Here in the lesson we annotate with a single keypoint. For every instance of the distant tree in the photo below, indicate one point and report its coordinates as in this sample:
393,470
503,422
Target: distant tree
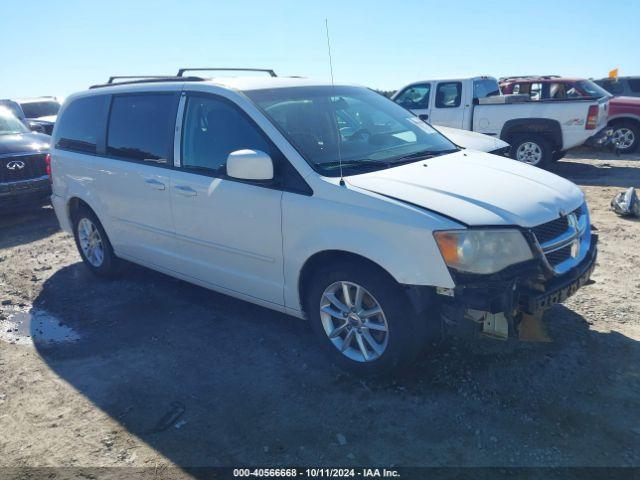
386,93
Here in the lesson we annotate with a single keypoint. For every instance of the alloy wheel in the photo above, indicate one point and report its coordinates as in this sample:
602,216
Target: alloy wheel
354,321
90,242
529,152
623,138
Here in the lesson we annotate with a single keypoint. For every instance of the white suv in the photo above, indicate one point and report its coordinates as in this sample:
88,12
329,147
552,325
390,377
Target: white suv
330,203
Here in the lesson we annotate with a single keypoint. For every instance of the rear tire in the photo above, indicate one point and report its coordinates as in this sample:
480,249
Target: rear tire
360,342
532,149
94,245
626,136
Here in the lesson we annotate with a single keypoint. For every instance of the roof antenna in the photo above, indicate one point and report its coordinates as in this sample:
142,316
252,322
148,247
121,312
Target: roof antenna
326,26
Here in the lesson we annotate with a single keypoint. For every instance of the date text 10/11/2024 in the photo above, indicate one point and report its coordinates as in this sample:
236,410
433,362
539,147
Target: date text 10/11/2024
316,473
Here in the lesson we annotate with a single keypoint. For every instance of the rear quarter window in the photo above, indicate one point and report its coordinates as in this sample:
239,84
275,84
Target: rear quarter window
141,127
81,124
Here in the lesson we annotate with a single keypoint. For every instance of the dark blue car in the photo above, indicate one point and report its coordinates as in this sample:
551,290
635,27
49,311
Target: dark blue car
24,168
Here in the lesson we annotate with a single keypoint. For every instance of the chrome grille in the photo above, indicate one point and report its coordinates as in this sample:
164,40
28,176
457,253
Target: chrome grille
565,240
558,256
553,229
550,230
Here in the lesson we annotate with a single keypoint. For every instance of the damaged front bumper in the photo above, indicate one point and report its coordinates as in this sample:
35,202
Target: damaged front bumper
494,305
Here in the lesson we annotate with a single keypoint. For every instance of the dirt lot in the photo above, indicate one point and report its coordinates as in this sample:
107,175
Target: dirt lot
151,371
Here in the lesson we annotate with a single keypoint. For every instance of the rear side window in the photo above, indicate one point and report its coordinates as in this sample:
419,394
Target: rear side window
81,124
558,91
213,129
448,95
141,127
485,88
534,90
415,96
634,84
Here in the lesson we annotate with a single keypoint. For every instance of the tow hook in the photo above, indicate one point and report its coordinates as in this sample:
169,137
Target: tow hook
495,325
532,329
492,325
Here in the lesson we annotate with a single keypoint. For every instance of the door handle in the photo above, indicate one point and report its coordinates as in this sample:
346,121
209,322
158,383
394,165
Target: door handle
185,190
424,117
153,183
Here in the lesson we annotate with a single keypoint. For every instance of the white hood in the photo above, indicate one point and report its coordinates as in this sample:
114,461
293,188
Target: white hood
472,140
477,189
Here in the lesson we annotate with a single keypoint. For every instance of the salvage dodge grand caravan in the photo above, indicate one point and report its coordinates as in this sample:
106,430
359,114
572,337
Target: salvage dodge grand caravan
330,203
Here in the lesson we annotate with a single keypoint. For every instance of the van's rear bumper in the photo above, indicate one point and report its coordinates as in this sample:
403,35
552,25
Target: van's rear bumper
60,207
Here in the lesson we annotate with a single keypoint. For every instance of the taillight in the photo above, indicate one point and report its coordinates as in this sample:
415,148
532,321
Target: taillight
592,118
47,162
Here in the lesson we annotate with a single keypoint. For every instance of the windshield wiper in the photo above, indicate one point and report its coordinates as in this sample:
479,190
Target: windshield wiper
355,163
422,155
412,157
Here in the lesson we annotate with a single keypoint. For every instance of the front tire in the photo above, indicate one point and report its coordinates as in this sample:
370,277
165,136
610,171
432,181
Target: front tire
626,136
363,319
94,245
532,149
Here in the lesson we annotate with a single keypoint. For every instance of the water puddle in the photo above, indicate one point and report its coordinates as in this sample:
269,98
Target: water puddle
34,326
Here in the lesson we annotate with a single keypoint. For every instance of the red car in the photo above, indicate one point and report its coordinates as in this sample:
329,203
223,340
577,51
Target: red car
624,112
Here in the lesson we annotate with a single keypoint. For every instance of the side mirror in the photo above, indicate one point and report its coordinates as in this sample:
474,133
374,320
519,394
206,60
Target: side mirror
249,165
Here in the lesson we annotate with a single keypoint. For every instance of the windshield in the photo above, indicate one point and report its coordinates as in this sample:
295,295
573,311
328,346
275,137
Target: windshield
363,128
9,124
592,89
40,109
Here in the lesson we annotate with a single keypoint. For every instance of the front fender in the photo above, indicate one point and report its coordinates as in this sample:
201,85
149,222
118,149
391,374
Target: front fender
395,236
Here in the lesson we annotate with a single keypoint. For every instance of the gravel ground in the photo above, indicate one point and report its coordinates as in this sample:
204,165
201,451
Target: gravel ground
151,371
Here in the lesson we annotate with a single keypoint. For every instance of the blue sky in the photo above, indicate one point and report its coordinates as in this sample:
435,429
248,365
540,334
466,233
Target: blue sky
58,47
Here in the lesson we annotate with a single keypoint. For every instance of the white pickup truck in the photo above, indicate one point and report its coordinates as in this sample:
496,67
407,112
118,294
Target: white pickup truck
539,132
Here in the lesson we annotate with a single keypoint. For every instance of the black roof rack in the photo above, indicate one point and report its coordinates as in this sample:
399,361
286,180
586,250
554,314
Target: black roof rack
133,79
265,70
136,77
523,77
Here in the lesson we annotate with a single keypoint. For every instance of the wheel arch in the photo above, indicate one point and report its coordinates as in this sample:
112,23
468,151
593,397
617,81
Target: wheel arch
624,118
540,126
74,205
327,257
77,202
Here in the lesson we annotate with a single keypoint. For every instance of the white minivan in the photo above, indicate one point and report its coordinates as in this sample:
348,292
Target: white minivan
330,203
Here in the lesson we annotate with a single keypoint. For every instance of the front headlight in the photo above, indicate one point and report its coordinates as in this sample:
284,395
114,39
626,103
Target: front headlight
482,251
